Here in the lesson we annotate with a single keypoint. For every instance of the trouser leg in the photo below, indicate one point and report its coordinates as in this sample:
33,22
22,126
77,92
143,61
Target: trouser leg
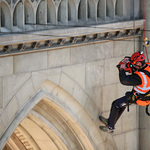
117,108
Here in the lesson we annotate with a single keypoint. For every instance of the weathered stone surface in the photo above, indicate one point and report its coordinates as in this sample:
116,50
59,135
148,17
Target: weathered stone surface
30,62
59,58
1,93
94,74
9,112
24,93
109,94
6,66
130,138
11,84
111,72
76,73
51,74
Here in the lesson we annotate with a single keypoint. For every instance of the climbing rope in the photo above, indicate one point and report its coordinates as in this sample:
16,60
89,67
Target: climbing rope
146,40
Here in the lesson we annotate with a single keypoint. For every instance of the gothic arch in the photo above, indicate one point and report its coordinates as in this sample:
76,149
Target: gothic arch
82,10
71,11
51,12
50,109
62,12
92,10
28,12
119,8
5,15
101,9
110,11
41,15
18,15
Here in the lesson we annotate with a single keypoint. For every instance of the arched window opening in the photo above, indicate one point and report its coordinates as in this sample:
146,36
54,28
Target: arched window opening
71,11
119,9
51,13
89,11
62,12
5,16
29,14
41,14
2,18
18,15
82,11
101,10
98,9
92,10
110,12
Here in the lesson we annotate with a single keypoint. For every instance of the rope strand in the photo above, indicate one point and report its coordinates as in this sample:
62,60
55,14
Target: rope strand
144,28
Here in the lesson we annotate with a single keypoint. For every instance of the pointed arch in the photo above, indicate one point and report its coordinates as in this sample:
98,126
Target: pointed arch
62,12
82,10
18,15
119,8
101,9
58,111
51,12
110,11
71,11
28,12
41,15
92,10
5,16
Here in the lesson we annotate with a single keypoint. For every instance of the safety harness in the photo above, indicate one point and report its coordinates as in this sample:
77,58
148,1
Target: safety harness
134,97
146,96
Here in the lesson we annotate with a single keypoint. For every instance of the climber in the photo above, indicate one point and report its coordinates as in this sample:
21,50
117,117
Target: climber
140,94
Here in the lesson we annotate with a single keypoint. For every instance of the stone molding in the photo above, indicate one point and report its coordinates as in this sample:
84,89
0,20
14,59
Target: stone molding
29,15
30,42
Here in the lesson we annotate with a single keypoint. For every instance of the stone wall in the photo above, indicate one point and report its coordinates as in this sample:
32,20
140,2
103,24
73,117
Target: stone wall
88,73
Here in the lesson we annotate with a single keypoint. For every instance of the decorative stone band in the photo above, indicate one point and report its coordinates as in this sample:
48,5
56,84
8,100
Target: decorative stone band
29,42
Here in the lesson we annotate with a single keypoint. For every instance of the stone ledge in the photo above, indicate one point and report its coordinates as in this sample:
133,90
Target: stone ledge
54,39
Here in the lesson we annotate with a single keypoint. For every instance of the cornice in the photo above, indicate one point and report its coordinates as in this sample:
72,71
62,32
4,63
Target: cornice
29,42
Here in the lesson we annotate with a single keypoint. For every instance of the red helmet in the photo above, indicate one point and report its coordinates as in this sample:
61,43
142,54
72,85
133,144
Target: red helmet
137,56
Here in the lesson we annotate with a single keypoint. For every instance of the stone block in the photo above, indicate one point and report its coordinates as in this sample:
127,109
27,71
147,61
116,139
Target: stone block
92,52
59,58
130,119
94,74
11,84
91,109
1,128
67,83
122,89
120,141
95,94
51,75
124,48
30,62
144,137
1,92
82,54
132,140
24,93
109,94
103,50
6,66
80,95
10,112
77,73
111,72
144,118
